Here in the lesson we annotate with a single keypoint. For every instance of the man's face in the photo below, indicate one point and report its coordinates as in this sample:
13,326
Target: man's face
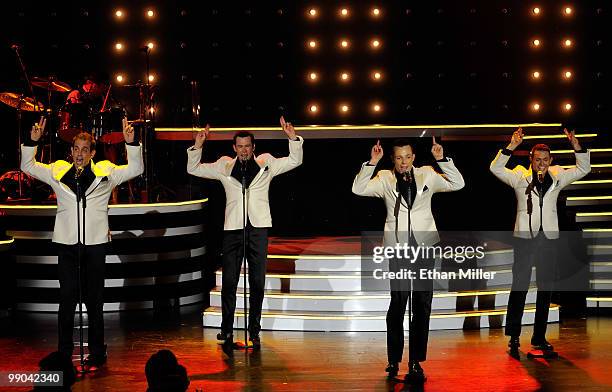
244,148
540,161
82,152
403,159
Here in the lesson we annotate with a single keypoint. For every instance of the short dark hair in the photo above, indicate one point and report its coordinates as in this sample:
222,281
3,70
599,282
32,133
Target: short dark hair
401,142
244,134
539,147
87,137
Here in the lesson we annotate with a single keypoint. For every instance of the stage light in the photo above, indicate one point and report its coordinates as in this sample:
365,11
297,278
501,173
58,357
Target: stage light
568,43
344,44
345,77
536,43
375,12
536,75
150,13
567,74
151,45
312,44
344,108
118,46
376,75
313,108
535,107
568,11
536,10
313,13
119,14
375,44
119,78
313,77
376,107
344,12
567,106
151,78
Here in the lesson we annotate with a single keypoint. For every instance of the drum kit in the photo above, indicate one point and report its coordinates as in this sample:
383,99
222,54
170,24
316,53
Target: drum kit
82,110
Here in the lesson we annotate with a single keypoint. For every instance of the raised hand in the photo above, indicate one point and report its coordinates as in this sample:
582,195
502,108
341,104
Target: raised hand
376,154
436,150
38,129
571,136
128,131
288,128
202,136
517,139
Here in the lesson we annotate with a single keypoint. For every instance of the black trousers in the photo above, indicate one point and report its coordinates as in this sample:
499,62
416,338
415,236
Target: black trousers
257,255
422,294
541,253
92,278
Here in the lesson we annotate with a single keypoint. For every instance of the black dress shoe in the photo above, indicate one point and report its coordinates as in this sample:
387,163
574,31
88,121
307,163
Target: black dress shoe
225,337
415,374
542,344
95,361
514,345
256,341
392,369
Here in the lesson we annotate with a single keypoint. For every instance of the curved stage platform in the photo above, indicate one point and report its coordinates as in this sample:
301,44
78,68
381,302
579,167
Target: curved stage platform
315,284
154,260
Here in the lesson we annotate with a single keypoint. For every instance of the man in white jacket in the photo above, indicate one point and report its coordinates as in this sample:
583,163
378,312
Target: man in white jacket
536,229
407,191
254,173
83,189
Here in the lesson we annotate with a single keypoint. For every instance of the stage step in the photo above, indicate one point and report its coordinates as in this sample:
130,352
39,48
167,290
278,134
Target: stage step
331,301
369,321
352,281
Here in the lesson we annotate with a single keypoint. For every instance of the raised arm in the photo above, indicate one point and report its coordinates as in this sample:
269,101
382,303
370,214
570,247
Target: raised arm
364,184
194,155
498,166
296,153
583,162
135,165
28,164
451,180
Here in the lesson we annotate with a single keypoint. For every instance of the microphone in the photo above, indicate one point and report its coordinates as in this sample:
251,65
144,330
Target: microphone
78,172
540,176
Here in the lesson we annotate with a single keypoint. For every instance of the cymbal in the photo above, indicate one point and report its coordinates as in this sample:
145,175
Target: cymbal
50,84
26,103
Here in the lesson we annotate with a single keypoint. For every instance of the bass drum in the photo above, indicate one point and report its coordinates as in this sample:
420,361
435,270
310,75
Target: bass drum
108,126
74,118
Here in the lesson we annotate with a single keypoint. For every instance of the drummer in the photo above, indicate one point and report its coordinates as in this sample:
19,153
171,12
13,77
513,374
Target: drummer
93,92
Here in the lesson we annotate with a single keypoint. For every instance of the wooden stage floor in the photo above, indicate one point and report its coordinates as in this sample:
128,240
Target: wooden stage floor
308,361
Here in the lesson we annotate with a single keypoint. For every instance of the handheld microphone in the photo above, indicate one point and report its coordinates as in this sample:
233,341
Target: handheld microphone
540,176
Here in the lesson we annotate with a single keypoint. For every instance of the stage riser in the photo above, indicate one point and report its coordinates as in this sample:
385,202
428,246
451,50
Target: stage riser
599,304
359,325
297,283
353,265
156,255
118,306
362,305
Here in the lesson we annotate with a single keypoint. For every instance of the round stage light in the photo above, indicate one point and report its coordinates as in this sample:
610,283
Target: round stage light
150,13
119,13
536,10
119,78
118,46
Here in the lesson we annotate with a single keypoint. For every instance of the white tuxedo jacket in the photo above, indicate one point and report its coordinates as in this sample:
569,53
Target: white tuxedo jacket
427,181
258,205
520,178
97,195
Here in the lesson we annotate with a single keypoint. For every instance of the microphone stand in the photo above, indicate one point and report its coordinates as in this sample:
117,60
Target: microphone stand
410,330
246,345
80,244
528,192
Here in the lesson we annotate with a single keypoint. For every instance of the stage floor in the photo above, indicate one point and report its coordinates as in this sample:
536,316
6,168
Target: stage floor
305,361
